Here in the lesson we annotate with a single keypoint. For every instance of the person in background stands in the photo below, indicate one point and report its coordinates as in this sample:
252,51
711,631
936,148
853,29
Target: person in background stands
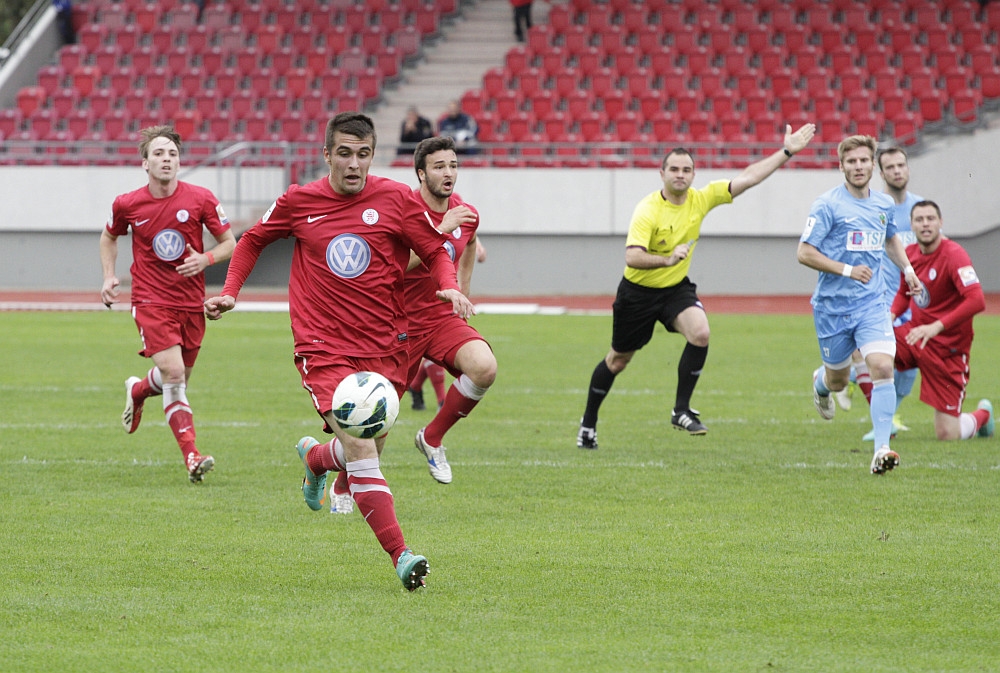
462,128
522,18
415,128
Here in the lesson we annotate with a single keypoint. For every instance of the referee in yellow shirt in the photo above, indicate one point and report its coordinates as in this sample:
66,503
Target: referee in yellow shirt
664,229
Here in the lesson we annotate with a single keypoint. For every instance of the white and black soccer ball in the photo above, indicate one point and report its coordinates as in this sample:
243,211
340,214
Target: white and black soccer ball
365,405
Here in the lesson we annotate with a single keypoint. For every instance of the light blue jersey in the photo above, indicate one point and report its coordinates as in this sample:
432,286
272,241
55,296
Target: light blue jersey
852,231
891,272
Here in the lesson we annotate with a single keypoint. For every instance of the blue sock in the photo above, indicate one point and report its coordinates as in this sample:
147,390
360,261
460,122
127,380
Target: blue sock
883,406
903,382
818,384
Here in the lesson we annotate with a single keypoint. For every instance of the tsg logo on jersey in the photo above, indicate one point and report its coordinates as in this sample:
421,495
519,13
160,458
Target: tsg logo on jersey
348,255
183,215
865,241
169,245
370,216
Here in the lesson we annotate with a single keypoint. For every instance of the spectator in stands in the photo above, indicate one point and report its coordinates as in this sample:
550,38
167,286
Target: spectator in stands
461,127
522,18
166,218
415,128
64,18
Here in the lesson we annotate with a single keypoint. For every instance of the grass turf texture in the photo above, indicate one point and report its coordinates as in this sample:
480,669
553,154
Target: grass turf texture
764,545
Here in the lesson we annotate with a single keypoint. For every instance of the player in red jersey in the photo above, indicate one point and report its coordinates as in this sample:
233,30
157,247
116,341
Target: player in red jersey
432,371
353,235
436,333
168,284
938,338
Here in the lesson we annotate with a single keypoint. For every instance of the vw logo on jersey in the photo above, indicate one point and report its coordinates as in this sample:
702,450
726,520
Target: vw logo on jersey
450,247
348,255
183,215
370,216
169,245
923,298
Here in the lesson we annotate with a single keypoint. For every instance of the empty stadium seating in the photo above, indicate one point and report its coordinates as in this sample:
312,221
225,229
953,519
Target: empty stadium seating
719,71
251,67
598,72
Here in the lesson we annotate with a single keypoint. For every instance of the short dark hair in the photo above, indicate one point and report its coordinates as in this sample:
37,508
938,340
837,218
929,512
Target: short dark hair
925,202
430,146
151,133
677,151
890,150
352,124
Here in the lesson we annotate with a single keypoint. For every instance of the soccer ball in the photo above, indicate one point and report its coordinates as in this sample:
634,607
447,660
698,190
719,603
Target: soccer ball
365,405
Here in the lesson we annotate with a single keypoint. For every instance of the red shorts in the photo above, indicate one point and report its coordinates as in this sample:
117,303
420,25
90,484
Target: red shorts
161,328
322,372
440,345
943,375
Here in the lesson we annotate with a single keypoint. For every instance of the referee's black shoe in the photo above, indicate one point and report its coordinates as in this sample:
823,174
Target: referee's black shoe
688,421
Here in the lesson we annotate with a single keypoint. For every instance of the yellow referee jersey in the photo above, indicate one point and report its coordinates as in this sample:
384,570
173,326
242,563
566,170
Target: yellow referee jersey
659,226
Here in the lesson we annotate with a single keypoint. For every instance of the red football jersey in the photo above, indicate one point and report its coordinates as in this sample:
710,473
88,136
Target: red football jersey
161,232
952,294
345,286
424,309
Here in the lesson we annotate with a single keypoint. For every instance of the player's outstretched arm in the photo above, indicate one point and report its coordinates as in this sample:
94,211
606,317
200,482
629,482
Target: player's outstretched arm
216,306
758,171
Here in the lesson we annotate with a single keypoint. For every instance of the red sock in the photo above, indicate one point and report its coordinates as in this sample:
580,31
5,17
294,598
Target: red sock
181,422
322,458
341,485
435,373
418,379
371,493
146,387
982,416
864,381
456,406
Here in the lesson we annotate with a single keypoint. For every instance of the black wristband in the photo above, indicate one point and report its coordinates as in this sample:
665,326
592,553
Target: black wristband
787,153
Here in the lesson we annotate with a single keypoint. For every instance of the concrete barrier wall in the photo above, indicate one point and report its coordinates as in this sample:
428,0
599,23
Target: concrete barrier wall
548,230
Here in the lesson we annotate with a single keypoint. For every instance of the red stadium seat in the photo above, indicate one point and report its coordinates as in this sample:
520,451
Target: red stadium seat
614,102
507,103
965,104
30,99
100,102
931,104
541,103
10,121
530,82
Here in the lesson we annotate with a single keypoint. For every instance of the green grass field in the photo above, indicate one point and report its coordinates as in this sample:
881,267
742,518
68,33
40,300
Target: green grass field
763,546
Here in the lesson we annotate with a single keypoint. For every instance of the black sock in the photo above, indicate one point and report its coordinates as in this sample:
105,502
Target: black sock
688,371
600,384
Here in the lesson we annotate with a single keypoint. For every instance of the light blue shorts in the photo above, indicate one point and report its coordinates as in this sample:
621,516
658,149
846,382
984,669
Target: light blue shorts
869,329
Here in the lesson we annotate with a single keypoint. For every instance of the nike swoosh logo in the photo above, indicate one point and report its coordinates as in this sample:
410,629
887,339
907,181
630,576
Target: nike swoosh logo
312,219
139,224
849,220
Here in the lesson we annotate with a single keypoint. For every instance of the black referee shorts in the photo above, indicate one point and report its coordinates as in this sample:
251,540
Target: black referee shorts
637,309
